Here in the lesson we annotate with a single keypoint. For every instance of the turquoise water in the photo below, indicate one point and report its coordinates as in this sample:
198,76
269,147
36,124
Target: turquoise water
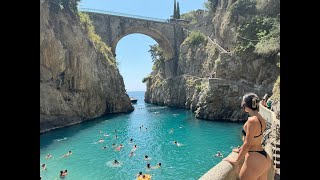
200,140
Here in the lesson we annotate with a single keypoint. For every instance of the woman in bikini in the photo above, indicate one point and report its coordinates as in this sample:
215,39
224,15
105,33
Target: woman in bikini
257,162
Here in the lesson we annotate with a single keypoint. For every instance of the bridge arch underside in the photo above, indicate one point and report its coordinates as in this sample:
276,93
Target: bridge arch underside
159,37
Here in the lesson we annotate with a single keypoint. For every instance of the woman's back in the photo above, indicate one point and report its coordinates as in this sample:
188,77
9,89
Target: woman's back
259,127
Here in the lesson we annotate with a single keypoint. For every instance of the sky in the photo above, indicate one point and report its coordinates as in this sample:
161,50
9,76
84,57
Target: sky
132,50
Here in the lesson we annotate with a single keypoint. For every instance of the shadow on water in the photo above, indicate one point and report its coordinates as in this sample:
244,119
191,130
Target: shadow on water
47,138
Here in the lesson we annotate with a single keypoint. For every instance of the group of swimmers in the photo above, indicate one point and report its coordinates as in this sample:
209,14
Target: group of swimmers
62,173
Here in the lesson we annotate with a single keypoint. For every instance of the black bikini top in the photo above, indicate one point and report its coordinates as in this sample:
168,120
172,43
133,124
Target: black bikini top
244,133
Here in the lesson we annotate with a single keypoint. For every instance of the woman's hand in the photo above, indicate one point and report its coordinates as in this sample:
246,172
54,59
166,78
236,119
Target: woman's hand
236,150
231,160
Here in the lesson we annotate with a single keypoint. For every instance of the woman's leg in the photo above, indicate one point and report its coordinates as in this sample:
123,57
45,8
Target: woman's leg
253,167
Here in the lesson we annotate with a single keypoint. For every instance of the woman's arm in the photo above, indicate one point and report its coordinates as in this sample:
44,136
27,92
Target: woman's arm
247,141
246,144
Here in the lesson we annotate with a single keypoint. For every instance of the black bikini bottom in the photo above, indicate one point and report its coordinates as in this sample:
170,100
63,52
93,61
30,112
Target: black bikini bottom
263,152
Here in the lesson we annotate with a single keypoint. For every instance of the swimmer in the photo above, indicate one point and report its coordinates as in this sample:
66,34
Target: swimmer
171,130
63,173
176,143
115,162
106,134
146,129
181,126
131,154
113,145
68,154
48,156
104,147
115,131
101,140
131,140
148,166
44,167
218,154
119,147
100,131
115,137
140,128
139,175
146,158
134,148
157,166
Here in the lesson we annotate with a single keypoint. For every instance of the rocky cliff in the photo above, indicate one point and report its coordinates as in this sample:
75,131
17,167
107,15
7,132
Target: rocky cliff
211,81
77,81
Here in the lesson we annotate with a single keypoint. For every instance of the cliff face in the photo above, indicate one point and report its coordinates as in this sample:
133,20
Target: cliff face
210,81
77,82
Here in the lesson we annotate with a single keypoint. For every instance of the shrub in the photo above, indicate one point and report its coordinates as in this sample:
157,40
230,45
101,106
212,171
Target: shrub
195,39
190,16
242,7
157,56
100,46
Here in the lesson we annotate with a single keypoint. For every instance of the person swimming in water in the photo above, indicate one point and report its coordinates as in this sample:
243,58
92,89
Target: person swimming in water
134,148
100,131
115,137
131,140
44,167
106,134
104,147
171,130
48,156
119,147
218,154
146,157
101,140
68,154
148,166
139,175
63,173
157,166
115,162
176,143
140,128
131,154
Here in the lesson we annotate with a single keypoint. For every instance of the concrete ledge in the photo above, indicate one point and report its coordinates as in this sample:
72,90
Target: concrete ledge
223,170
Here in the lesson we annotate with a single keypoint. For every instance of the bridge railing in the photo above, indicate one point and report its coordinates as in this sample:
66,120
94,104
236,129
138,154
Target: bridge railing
121,14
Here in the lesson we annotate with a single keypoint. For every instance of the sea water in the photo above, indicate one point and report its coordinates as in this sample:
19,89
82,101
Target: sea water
199,141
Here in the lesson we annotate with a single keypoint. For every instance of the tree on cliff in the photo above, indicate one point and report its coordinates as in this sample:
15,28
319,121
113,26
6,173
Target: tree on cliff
174,9
178,11
157,56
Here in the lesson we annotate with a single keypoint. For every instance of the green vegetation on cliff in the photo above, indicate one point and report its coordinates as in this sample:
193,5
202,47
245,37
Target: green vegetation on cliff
157,56
99,45
190,16
70,5
258,30
211,6
194,39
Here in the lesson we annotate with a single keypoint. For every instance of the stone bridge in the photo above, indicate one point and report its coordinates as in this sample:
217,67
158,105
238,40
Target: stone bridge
111,27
